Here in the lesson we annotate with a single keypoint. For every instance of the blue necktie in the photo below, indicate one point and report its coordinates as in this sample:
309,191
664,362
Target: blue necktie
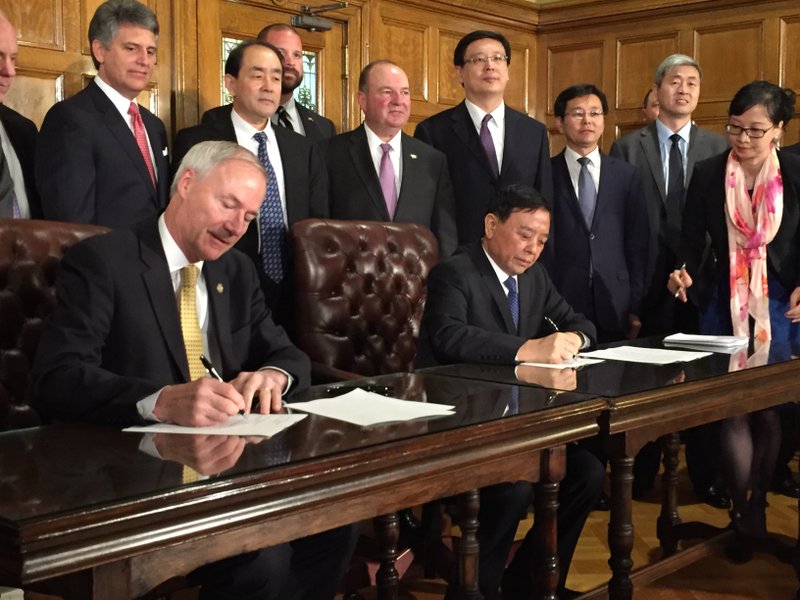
270,219
513,299
587,194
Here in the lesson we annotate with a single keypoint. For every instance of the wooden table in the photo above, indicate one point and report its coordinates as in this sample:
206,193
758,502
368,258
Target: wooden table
85,513
649,402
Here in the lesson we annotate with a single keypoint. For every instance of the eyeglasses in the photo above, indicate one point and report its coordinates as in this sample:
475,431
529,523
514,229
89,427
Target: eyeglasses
580,115
495,59
751,132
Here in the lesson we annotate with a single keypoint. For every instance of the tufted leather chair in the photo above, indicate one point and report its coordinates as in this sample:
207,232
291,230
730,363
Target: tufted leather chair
359,294
30,252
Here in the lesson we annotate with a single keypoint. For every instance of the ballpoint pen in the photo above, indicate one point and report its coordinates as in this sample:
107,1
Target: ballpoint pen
552,323
678,291
210,367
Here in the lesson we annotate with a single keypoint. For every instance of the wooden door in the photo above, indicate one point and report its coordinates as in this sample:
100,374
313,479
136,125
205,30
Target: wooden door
223,24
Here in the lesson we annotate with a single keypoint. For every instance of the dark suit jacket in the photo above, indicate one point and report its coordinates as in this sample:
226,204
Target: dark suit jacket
467,318
600,270
306,188
318,128
89,168
22,133
640,148
526,159
793,149
426,196
115,335
705,214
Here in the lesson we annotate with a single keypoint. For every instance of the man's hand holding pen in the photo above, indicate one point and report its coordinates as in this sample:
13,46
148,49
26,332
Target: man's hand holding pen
555,348
679,281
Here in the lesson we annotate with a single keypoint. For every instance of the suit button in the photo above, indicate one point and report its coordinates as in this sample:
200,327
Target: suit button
591,236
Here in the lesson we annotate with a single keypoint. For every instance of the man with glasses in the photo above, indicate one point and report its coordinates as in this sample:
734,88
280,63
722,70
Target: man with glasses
289,113
598,246
665,153
488,144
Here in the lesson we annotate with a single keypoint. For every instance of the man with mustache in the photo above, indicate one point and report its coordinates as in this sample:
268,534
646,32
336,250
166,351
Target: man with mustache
135,310
289,113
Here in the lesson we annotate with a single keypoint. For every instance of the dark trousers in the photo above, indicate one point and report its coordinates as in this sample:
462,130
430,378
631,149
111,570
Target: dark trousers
309,568
504,505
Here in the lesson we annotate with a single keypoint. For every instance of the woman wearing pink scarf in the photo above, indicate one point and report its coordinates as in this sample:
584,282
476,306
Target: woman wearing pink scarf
747,201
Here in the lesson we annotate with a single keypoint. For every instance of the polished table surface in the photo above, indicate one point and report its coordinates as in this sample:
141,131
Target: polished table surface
648,402
86,498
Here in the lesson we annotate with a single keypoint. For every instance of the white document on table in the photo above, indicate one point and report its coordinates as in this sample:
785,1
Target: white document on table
253,424
650,356
368,408
726,344
572,363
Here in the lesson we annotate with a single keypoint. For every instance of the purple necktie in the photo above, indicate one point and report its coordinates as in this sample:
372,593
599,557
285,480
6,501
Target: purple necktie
488,145
386,176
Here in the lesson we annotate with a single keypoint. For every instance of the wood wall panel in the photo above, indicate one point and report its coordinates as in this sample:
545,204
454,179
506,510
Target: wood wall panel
42,23
450,89
569,65
407,43
731,56
37,90
636,61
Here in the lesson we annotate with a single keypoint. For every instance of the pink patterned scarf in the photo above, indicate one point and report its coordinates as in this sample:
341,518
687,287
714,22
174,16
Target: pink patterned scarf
752,223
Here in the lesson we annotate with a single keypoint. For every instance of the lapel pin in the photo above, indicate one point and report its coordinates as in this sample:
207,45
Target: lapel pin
220,288
414,156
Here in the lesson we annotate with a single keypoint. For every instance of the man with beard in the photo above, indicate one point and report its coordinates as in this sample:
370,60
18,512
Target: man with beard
290,114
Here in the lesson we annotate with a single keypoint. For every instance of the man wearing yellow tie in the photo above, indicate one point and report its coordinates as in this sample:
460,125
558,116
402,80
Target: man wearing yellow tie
136,308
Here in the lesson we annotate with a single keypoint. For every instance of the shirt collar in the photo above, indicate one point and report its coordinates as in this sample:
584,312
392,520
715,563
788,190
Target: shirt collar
501,275
476,113
245,130
373,141
593,156
665,132
119,101
176,259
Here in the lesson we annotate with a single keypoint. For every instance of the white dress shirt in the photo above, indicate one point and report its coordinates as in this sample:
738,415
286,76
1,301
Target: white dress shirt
496,125
375,151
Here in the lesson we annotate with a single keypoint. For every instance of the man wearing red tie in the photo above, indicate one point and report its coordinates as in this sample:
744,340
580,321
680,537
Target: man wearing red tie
101,157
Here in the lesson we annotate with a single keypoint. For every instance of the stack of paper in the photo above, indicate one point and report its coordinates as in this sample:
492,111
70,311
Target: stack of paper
368,408
726,344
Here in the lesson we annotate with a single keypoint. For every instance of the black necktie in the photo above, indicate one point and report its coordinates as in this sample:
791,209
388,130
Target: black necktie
284,119
675,192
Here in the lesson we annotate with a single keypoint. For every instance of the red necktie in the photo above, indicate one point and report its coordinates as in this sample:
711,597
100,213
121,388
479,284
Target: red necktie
141,139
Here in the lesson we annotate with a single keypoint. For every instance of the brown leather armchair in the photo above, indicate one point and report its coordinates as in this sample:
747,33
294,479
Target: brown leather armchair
30,252
359,294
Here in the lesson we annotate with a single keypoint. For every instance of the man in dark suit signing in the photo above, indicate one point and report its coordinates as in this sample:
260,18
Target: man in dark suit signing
290,113
101,157
488,144
299,188
492,303
598,247
18,196
378,173
136,309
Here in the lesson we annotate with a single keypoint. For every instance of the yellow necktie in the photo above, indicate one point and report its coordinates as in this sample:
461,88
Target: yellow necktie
190,326
192,337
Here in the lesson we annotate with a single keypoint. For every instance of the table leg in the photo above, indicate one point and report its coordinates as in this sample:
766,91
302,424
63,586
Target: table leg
545,565
669,519
620,529
469,504
387,580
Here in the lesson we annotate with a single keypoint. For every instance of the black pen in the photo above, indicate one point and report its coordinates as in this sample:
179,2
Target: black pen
552,323
209,367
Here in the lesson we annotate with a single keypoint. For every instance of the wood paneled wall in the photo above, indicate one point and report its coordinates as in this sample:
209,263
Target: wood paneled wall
615,44
618,45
